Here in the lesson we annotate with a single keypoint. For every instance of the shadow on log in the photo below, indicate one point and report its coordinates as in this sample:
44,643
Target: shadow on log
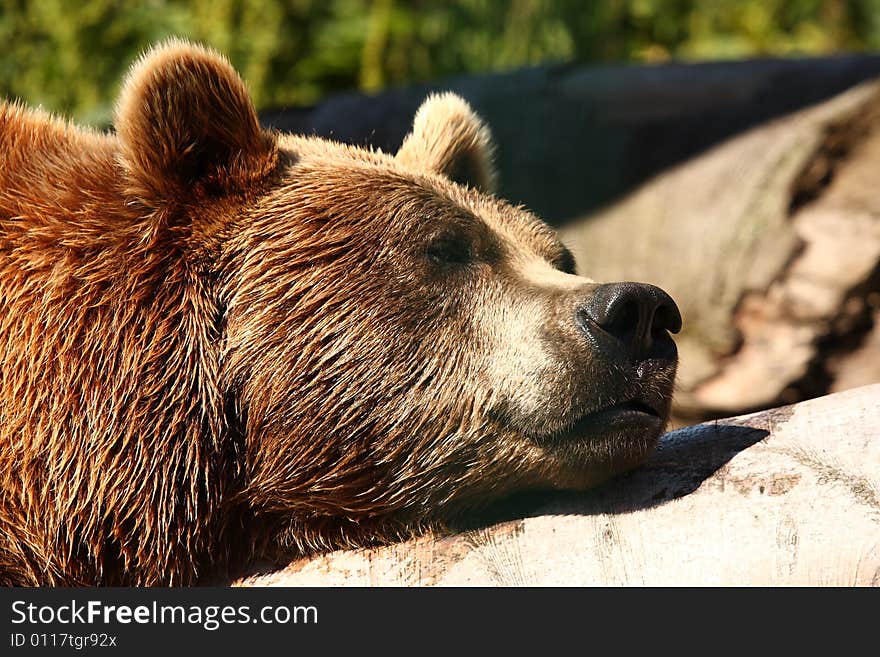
789,496
683,461
572,139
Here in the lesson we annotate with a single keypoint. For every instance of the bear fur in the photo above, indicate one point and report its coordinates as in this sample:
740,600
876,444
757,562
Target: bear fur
220,344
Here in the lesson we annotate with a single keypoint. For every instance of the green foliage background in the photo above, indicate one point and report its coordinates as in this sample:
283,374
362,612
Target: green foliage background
69,55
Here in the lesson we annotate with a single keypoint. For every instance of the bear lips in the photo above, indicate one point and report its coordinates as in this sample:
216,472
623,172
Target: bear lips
634,414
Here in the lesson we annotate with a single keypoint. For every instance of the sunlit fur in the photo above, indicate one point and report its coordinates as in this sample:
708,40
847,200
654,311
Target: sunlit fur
221,345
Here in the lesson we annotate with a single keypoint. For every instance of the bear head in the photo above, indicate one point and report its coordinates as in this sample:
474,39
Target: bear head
396,343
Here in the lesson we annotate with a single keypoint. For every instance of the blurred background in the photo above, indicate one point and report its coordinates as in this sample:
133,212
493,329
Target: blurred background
69,55
726,150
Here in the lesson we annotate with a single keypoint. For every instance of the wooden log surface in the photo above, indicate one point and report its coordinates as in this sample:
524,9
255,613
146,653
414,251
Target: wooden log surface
789,496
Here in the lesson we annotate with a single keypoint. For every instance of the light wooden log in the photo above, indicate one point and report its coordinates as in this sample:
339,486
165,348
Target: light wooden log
789,496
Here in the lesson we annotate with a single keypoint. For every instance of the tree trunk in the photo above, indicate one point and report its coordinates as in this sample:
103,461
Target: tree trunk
725,183
789,496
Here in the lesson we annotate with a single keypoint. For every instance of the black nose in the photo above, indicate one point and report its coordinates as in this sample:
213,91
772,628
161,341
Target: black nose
634,313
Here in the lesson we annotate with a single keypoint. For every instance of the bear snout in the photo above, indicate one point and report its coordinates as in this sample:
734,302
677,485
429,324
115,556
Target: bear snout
634,318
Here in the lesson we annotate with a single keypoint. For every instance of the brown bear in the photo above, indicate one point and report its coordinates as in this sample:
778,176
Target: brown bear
220,344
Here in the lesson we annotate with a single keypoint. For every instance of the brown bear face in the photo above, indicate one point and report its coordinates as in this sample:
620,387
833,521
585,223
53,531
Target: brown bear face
396,342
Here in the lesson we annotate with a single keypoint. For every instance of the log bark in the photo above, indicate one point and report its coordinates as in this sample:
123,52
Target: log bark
789,496
770,242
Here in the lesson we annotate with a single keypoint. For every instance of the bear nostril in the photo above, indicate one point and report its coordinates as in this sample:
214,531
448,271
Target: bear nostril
622,318
667,317
634,313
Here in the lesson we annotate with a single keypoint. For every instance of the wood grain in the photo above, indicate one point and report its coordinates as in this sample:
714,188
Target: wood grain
789,496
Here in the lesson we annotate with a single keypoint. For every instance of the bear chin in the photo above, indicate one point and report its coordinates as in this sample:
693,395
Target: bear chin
600,446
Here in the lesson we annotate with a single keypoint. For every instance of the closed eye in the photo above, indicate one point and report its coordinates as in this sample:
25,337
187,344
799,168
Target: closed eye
565,263
449,249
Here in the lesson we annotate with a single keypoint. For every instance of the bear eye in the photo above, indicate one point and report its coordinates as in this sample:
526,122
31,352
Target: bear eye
565,262
449,249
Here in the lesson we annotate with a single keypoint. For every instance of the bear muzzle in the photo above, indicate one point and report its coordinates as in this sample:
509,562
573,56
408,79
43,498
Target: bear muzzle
623,363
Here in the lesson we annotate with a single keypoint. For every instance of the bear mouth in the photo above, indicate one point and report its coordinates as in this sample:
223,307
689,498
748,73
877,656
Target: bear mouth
630,415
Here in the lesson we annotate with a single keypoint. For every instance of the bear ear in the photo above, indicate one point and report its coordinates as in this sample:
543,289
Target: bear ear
450,139
186,123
